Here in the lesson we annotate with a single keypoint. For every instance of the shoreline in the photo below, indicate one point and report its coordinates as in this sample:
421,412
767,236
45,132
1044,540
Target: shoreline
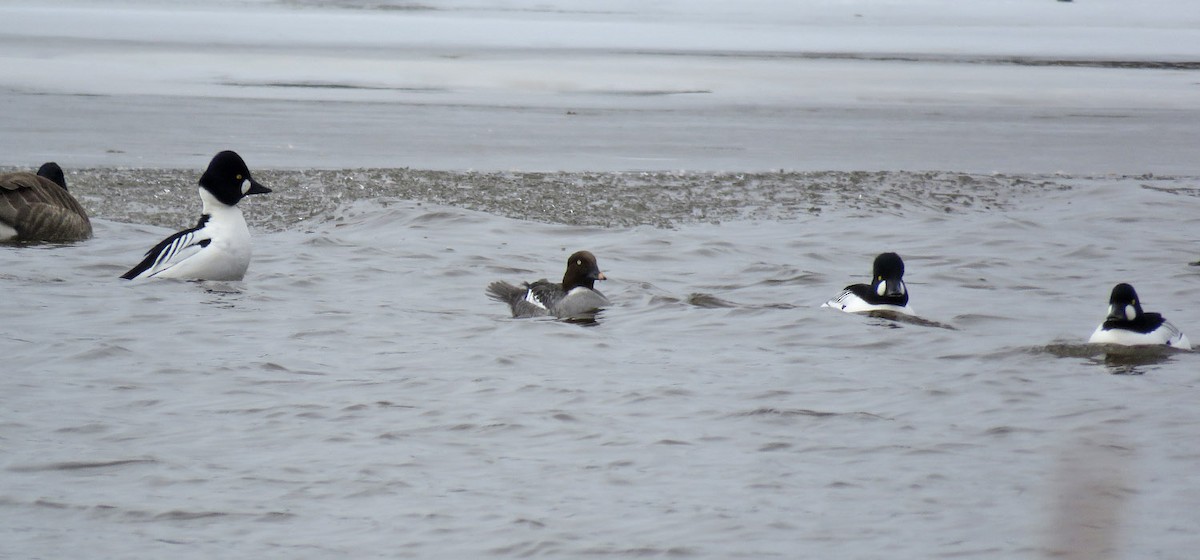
167,197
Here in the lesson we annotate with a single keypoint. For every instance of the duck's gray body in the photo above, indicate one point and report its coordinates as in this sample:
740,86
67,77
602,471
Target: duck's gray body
575,297
541,298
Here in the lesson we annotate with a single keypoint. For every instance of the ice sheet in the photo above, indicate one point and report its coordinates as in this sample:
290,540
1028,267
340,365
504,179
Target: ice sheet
635,74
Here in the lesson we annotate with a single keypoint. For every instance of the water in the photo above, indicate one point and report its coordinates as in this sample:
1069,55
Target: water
358,395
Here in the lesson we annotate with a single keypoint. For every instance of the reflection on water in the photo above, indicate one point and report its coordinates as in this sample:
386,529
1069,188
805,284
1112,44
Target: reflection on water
895,319
1122,360
1130,364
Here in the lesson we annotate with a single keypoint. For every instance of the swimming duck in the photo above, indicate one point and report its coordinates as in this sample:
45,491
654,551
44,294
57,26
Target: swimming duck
1128,325
218,247
573,297
886,292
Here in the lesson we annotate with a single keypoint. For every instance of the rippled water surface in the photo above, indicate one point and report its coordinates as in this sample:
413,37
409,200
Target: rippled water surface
358,395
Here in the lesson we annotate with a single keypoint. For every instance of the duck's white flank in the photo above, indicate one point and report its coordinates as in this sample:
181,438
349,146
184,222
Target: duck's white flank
225,257
850,302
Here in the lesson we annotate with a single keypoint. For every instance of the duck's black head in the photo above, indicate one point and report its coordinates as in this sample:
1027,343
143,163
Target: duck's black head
228,179
1123,304
888,275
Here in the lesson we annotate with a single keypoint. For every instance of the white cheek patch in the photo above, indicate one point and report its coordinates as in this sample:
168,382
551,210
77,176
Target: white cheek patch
881,288
903,289
1130,312
246,186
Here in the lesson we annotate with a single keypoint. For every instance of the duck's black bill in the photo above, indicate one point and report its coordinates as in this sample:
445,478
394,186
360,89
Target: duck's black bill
257,188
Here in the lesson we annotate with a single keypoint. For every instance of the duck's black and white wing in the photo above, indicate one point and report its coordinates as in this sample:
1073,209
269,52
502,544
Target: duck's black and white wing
524,301
852,299
1175,337
171,251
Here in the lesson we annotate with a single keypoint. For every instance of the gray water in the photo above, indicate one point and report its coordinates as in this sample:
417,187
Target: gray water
358,395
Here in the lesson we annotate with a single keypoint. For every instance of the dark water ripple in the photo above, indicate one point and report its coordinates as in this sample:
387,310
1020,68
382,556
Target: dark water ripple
81,465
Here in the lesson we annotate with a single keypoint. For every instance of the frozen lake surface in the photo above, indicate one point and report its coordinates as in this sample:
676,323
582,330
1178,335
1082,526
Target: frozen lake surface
1017,86
358,396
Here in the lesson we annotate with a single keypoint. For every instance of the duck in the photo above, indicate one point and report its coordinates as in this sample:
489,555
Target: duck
218,247
575,296
1128,325
886,292
38,207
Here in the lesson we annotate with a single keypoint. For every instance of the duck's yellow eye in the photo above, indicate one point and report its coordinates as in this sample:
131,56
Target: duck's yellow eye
239,177
579,263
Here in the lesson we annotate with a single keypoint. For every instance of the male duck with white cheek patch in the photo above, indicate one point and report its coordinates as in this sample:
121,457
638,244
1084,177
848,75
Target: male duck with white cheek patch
1128,325
218,248
886,292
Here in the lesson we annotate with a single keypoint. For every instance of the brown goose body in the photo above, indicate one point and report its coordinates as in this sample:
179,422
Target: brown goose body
35,208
